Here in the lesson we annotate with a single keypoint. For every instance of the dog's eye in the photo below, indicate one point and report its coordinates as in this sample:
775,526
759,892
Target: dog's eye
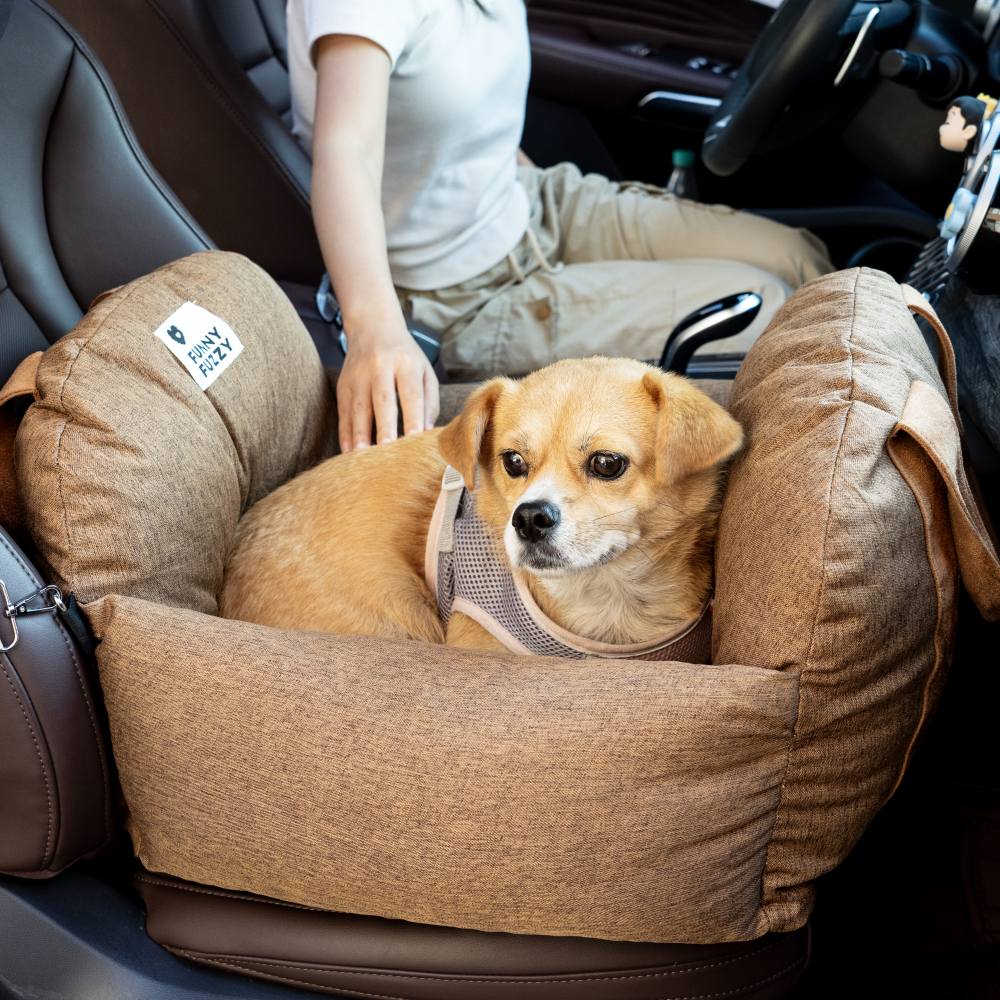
514,465
607,465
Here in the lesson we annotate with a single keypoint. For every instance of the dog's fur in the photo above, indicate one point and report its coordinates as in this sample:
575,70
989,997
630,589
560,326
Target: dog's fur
341,547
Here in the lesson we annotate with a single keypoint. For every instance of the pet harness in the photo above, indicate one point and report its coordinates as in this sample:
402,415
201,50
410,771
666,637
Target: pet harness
466,574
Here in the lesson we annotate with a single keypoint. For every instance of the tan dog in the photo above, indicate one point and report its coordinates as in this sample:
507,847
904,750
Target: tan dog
598,480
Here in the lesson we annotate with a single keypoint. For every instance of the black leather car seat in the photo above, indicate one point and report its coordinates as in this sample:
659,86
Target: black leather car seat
81,210
205,84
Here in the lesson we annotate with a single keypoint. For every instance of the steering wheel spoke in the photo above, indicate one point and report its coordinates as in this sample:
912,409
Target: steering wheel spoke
806,54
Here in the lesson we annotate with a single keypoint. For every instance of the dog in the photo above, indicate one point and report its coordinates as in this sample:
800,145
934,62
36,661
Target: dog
596,492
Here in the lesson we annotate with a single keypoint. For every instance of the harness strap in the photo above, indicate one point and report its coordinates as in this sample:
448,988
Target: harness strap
452,485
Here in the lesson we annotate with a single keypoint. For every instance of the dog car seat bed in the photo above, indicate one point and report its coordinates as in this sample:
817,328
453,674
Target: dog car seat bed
633,801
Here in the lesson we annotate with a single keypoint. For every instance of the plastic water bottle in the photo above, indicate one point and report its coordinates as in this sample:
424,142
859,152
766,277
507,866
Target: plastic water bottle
682,182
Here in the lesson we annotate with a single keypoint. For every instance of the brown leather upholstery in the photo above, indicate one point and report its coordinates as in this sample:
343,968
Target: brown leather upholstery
55,782
205,85
395,960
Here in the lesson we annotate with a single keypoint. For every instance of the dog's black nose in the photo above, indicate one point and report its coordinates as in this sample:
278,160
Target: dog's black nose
533,521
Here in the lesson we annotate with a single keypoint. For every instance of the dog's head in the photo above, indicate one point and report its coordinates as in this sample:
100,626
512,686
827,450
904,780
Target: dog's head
586,459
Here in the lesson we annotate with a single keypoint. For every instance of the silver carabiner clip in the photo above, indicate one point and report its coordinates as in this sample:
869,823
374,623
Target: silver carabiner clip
48,593
52,600
9,614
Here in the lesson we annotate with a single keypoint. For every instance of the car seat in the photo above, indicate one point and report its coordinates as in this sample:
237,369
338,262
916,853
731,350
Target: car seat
81,210
225,71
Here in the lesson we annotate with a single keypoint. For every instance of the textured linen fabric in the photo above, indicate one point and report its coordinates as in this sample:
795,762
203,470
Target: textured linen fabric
132,476
626,801
451,200
832,566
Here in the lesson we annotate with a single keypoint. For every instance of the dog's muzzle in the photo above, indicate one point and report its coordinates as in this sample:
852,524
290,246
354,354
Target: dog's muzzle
535,521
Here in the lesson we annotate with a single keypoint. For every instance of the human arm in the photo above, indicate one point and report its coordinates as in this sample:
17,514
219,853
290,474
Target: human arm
348,152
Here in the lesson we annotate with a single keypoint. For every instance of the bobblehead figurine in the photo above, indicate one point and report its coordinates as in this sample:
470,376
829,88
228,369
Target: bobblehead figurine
967,128
962,123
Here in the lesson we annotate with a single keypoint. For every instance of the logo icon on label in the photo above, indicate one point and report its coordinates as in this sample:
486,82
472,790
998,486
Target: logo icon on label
176,334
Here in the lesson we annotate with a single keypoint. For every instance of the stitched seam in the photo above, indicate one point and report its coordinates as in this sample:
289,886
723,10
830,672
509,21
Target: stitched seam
745,988
780,803
939,652
822,588
227,104
58,462
126,130
272,41
521,980
82,345
833,476
225,895
41,762
196,956
56,104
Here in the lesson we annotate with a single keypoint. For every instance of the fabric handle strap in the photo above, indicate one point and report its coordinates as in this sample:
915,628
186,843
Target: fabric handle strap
927,442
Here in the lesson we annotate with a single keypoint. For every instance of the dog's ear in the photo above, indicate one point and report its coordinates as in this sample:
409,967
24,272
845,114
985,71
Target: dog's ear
461,441
693,433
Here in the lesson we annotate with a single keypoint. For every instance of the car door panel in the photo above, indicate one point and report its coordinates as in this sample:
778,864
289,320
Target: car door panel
609,56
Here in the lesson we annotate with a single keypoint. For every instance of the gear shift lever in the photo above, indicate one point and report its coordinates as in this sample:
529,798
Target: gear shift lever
723,318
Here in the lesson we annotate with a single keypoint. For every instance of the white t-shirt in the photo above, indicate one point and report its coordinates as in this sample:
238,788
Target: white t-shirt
452,204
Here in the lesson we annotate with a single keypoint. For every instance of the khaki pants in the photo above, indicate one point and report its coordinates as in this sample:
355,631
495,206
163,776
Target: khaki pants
611,269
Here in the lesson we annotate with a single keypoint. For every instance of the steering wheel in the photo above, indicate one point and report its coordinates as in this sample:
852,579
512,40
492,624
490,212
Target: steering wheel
791,59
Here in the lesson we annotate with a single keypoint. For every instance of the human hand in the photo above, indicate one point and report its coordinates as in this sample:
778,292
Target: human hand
381,363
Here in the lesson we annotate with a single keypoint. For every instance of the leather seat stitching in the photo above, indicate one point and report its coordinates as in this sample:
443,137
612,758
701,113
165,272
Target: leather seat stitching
53,111
41,761
225,895
125,129
745,987
272,40
337,990
521,980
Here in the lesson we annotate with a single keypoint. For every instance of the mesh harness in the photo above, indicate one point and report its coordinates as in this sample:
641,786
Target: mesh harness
466,574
